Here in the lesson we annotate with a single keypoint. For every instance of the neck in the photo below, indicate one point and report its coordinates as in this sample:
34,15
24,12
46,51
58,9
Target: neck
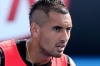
34,55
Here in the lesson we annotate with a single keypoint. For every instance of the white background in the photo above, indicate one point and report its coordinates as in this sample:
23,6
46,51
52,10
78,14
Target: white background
19,27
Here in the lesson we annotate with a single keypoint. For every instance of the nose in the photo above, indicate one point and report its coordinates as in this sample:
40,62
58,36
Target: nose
65,36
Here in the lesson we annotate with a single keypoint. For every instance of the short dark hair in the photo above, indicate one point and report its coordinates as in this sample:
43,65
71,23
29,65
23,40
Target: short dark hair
46,6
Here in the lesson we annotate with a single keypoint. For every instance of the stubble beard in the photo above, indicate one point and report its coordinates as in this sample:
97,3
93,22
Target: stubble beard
51,53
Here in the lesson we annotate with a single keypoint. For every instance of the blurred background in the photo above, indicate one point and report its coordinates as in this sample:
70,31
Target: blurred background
84,43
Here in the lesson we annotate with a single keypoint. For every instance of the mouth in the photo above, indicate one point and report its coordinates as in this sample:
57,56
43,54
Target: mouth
60,48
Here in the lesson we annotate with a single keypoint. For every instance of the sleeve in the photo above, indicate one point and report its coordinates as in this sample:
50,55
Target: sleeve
1,58
68,60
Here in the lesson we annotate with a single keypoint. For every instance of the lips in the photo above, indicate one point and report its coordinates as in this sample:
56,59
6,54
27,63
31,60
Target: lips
60,47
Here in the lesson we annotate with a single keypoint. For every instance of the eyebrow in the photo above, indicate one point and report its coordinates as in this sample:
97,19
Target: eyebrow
61,26
58,26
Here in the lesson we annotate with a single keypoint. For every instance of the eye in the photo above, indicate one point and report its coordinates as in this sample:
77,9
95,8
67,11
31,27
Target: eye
68,29
57,28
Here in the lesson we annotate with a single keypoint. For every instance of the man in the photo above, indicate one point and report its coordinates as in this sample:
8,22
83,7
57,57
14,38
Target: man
50,27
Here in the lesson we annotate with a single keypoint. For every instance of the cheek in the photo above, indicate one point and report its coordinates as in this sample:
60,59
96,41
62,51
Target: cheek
48,40
45,40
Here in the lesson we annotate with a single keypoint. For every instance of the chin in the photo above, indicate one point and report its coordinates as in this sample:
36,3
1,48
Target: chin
57,55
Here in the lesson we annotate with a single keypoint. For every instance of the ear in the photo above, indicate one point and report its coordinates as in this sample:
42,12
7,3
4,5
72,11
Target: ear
34,28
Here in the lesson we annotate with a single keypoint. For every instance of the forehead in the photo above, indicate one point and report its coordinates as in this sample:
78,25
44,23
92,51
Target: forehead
60,19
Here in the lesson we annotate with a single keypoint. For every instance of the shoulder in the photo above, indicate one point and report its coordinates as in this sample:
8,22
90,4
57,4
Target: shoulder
7,43
71,62
1,58
4,46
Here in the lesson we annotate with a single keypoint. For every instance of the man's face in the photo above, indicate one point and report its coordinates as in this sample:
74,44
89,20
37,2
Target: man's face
55,34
